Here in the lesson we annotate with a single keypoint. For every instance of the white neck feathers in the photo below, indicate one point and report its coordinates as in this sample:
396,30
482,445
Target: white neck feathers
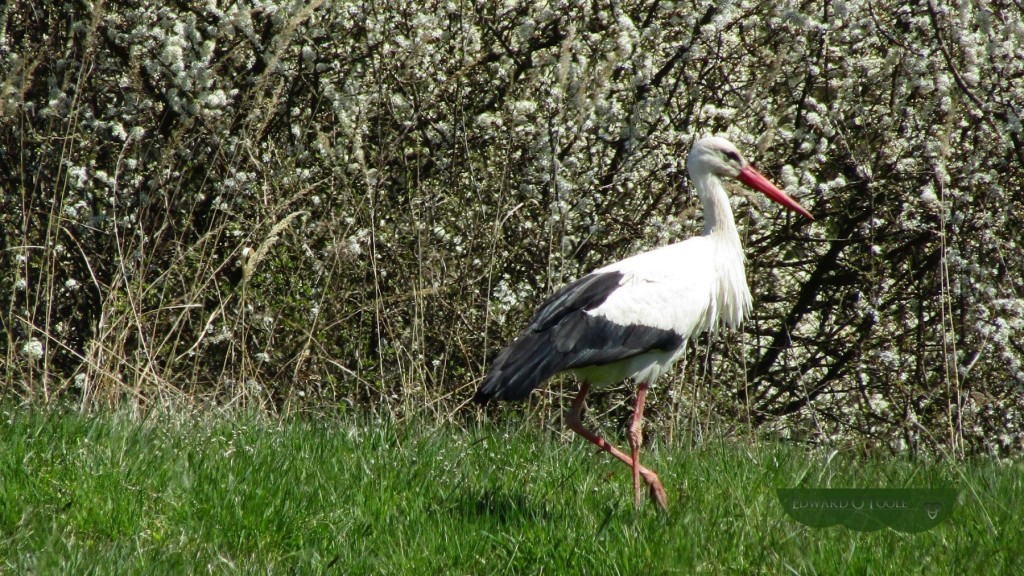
730,295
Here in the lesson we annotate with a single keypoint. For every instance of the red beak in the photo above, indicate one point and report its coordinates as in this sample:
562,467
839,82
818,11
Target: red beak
755,180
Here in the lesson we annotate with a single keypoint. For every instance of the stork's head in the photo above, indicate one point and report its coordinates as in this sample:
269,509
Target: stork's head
718,157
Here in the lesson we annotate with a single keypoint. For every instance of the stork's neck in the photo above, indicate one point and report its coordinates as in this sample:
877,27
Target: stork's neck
718,220
730,293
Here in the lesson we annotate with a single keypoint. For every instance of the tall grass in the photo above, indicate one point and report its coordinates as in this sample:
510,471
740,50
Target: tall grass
201,494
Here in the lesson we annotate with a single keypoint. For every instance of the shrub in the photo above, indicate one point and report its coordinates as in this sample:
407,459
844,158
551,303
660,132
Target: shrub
297,204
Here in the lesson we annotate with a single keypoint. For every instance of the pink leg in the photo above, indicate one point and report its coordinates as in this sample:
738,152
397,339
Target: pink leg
572,417
636,439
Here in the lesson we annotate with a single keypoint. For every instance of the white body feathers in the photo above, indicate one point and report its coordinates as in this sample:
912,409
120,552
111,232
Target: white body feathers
689,287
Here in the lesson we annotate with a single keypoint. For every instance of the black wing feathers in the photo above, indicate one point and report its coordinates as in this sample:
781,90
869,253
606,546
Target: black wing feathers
586,293
562,335
604,342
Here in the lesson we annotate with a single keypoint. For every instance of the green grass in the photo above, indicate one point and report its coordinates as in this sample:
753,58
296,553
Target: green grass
110,494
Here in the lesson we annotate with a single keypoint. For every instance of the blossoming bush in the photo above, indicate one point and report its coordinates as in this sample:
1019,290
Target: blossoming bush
302,204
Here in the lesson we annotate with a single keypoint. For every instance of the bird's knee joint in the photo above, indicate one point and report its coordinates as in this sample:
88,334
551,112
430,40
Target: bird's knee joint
635,436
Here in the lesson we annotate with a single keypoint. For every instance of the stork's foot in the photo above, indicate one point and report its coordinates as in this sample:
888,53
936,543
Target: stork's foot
656,491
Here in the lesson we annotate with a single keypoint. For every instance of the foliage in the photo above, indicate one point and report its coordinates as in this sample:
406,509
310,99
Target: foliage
284,203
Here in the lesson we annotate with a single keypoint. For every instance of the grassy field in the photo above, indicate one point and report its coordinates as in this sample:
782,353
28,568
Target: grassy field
166,494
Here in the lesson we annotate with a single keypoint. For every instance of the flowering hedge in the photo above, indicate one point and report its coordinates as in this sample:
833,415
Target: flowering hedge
298,204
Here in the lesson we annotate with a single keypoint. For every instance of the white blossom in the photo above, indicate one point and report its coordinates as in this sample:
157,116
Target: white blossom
33,349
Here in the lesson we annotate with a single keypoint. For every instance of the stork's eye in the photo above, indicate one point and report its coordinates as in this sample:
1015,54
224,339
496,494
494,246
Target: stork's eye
733,155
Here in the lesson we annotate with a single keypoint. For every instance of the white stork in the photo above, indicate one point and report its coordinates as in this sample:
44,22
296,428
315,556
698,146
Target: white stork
632,319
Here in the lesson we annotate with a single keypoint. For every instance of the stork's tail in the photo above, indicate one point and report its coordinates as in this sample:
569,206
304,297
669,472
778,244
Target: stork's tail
522,366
